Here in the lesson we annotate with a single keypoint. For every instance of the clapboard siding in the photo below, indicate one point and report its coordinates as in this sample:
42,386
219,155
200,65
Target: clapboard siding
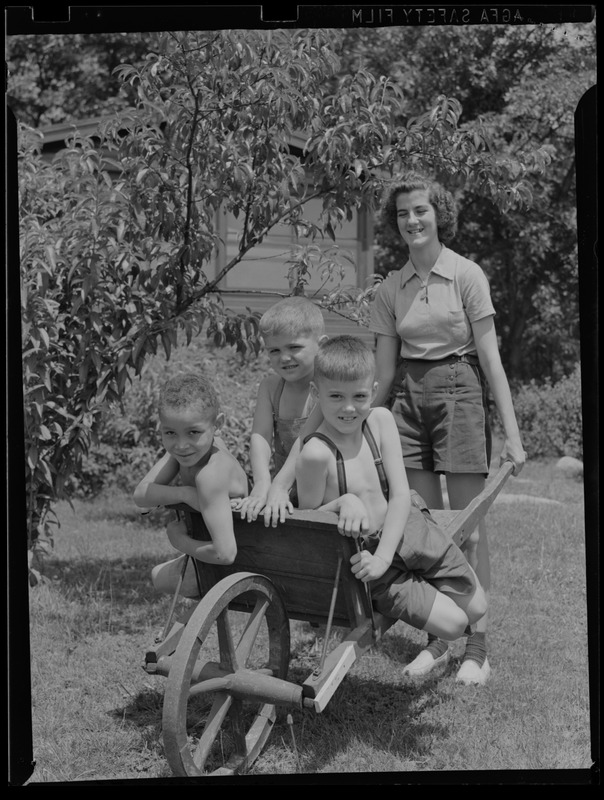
334,323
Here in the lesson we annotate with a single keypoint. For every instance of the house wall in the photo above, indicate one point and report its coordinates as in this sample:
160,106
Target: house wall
262,276
335,324
266,265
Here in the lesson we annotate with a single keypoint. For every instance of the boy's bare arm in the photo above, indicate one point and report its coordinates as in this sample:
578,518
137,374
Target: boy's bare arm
312,469
311,475
155,489
262,435
212,487
399,502
260,453
353,518
371,566
278,501
286,476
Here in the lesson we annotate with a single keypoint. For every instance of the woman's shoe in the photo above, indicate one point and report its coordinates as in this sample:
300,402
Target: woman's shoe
424,663
470,673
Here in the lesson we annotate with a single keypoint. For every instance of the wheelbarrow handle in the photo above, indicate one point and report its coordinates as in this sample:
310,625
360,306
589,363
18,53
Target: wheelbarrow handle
468,518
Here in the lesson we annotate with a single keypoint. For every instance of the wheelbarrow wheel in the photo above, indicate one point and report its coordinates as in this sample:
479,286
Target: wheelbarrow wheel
206,728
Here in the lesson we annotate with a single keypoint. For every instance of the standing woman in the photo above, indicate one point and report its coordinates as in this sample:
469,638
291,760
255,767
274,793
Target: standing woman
434,319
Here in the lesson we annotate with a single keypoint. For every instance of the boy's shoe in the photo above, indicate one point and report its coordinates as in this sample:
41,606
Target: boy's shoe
424,663
470,673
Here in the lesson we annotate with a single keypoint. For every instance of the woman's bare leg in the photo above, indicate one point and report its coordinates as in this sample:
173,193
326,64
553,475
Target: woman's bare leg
426,484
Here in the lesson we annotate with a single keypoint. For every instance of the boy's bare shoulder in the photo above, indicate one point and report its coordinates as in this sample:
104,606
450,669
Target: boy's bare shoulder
380,416
269,383
218,467
314,451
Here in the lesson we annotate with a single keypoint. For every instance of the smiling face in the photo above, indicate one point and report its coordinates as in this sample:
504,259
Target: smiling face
345,404
292,357
416,219
187,433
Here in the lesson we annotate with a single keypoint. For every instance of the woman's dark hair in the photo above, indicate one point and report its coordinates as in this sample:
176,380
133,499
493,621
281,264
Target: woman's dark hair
442,200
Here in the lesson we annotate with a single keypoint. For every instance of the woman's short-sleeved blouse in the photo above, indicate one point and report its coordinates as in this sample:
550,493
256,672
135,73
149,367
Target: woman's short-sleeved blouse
433,319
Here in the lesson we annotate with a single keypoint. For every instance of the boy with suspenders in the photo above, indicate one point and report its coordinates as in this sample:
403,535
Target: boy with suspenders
353,465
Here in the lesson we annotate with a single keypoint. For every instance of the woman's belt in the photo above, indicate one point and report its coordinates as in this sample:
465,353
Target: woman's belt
465,359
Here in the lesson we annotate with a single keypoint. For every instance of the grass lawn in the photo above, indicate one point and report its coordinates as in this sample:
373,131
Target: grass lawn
97,714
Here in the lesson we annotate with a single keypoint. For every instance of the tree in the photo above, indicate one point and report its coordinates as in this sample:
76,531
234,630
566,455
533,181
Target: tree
523,85
116,239
59,77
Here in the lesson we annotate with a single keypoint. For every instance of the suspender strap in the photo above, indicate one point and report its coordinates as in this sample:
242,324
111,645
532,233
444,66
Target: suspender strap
276,400
342,486
377,458
277,397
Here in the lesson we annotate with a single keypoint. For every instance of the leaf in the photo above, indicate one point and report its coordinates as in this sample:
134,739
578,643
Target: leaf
50,254
167,343
44,336
32,457
44,432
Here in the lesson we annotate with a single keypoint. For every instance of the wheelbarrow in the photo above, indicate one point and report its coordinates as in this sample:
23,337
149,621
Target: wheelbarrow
226,658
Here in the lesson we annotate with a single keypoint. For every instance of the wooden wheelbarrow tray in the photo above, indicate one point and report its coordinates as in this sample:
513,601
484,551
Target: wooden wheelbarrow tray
298,570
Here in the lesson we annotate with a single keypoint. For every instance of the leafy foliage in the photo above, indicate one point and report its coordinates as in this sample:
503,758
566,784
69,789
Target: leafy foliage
118,241
516,88
59,77
549,416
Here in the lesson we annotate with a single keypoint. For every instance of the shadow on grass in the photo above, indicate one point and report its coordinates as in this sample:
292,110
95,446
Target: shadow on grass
127,579
399,649
123,586
370,711
114,507
121,509
375,715
144,711
144,715
366,715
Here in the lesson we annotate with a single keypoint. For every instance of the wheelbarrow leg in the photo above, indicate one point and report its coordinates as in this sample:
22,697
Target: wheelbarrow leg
174,600
330,616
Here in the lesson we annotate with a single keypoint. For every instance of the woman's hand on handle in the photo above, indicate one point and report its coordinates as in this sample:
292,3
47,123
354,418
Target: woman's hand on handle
514,452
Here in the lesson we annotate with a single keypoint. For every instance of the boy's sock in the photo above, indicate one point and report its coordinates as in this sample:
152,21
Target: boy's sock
437,647
476,648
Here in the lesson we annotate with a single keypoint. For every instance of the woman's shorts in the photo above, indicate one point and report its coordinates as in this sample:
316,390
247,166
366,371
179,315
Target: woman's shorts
427,561
440,408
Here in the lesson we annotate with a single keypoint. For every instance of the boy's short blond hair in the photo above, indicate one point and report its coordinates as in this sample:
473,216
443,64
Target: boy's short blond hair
344,358
293,316
189,390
